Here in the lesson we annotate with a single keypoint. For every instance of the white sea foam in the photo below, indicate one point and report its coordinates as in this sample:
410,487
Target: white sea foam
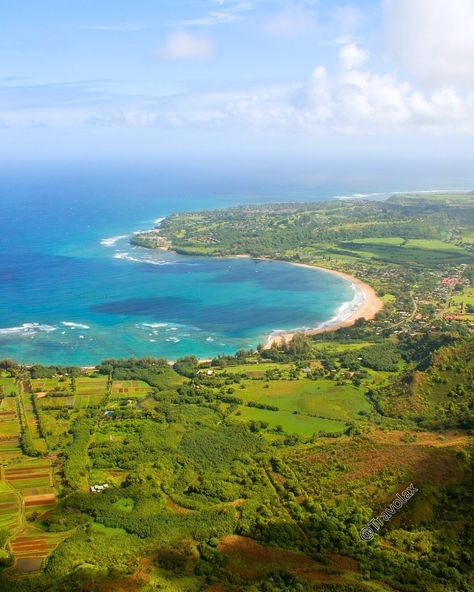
158,221
346,310
28,329
174,339
427,191
154,325
362,195
407,192
127,257
209,339
73,326
112,241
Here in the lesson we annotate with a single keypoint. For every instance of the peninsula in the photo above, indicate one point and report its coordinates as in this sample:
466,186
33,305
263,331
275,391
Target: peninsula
397,252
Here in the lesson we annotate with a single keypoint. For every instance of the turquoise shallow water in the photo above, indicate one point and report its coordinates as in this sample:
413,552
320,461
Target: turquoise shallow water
131,302
72,292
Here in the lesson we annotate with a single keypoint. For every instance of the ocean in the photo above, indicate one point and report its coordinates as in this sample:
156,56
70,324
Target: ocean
74,291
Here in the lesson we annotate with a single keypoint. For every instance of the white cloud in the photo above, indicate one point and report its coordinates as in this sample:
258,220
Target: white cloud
224,15
130,117
352,102
433,40
292,22
182,46
352,99
351,56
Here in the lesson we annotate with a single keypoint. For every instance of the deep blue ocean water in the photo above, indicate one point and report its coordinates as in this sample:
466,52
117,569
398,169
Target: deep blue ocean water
73,290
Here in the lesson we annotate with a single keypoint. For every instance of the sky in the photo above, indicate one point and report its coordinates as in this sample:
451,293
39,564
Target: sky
194,78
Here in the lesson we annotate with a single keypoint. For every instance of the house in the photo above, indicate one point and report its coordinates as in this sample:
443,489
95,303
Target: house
99,488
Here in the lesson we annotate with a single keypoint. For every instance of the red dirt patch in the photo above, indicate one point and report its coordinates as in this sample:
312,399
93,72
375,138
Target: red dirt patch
28,476
345,563
40,499
454,439
251,560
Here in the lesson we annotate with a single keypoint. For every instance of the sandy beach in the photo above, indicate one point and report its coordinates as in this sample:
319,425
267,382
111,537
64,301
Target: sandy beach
366,305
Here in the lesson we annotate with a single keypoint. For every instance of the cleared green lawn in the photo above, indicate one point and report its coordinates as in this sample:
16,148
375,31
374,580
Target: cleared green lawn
412,243
255,370
396,241
317,397
335,347
302,425
465,297
422,251
434,245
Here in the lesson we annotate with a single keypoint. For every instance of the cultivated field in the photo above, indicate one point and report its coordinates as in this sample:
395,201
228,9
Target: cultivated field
130,389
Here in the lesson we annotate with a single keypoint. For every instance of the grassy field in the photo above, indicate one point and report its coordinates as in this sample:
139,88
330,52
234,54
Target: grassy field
398,250
36,473
291,423
130,389
322,397
257,370
8,386
9,428
84,392
465,297
9,449
9,509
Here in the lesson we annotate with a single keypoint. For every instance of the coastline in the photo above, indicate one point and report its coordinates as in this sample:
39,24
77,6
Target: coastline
365,304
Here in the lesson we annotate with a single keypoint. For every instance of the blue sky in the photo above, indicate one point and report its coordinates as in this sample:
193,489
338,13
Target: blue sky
258,77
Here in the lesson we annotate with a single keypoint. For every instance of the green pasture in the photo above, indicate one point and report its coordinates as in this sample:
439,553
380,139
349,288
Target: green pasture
255,370
398,250
447,198
468,236
289,422
322,397
464,297
83,401
125,504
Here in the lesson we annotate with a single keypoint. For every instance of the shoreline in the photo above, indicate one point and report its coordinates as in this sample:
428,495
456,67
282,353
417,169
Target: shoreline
368,307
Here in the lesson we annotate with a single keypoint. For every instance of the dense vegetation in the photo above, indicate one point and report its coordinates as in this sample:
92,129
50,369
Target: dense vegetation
258,471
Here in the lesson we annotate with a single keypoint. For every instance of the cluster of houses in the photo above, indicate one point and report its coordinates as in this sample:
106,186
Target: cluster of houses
99,488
